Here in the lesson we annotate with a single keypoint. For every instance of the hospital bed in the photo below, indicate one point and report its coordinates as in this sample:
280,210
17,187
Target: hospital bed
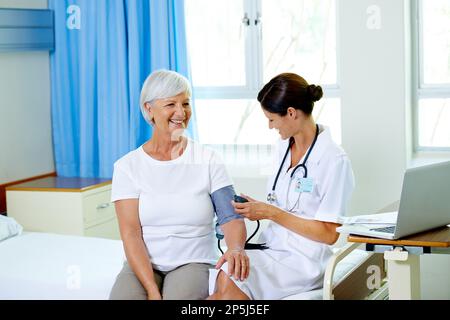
50,266
61,267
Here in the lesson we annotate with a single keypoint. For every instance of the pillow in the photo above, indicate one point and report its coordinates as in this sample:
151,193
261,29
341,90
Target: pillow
9,228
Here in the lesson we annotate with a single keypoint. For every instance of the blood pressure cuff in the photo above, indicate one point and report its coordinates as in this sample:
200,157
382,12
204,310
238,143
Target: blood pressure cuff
221,200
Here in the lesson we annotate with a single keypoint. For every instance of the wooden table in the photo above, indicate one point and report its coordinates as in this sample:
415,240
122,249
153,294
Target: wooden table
403,258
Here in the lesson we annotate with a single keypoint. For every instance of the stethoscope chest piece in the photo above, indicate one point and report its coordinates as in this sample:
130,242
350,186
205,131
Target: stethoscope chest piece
271,197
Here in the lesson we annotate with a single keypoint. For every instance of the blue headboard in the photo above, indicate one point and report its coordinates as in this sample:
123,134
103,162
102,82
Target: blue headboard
26,29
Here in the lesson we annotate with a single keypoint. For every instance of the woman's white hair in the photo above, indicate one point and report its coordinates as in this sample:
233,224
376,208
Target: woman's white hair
162,84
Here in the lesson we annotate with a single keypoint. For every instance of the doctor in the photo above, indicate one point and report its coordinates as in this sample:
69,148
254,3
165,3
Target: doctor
307,196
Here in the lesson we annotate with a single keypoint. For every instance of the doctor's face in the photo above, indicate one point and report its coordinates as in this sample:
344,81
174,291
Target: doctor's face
281,123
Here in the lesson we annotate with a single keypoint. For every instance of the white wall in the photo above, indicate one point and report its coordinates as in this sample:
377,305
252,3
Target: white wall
376,82
25,120
24,4
374,100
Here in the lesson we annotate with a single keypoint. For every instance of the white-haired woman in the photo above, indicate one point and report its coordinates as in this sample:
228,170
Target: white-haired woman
166,193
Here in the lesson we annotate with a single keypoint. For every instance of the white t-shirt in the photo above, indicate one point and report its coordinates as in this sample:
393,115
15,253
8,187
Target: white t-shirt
175,207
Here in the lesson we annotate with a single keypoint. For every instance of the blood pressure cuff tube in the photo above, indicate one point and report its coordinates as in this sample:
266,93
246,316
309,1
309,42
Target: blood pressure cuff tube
221,200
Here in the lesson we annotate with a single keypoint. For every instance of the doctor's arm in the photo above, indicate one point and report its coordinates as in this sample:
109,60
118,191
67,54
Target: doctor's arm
320,231
134,245
340,184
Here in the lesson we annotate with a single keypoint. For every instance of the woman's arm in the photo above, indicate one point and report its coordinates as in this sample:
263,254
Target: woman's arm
235,236
134,245
233,227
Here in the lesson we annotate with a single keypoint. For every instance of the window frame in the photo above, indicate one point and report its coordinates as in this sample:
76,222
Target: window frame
254,63
420,89
253,52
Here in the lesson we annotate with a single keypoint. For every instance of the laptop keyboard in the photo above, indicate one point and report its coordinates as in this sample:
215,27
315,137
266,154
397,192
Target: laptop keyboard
390,229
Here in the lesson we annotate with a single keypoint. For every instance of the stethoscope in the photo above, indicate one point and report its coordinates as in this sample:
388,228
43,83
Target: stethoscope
272,197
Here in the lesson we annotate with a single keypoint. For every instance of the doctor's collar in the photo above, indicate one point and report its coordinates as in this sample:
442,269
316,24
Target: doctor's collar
323,142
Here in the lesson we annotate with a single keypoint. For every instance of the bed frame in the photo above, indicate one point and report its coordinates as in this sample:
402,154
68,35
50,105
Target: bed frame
353,285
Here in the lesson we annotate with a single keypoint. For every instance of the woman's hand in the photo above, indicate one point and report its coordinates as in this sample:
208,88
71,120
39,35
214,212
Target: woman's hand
153,294
238,263
254,210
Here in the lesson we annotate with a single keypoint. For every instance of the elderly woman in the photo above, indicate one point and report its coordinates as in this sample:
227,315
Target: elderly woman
165,193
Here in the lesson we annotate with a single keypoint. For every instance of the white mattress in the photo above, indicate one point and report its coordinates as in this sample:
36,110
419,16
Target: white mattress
51,266
59,267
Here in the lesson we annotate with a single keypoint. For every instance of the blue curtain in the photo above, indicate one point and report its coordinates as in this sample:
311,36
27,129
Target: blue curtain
104,51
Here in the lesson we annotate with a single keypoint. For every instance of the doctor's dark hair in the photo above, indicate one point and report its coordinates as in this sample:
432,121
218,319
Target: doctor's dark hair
289,90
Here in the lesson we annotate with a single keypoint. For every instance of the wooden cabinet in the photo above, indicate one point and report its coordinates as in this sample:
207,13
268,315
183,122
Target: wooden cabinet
75,206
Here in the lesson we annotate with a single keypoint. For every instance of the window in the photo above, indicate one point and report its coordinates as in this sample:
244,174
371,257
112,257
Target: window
237,46
433,92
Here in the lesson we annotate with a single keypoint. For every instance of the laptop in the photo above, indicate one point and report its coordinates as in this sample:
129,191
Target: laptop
424,205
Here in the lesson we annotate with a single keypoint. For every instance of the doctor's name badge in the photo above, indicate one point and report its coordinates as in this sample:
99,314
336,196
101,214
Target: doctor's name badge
304,185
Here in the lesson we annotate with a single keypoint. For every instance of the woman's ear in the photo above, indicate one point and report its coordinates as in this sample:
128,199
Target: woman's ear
292,112
148,109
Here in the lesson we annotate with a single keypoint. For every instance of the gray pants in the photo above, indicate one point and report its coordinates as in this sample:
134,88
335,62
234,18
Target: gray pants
187,282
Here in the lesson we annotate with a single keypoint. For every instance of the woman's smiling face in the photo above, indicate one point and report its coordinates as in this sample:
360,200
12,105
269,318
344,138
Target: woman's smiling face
171,114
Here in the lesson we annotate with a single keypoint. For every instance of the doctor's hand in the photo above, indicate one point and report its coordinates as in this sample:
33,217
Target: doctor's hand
238,263
253,209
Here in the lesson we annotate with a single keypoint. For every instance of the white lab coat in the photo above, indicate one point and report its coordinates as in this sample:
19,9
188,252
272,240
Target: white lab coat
293,263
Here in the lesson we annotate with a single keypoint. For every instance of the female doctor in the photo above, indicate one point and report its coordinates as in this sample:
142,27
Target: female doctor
307,196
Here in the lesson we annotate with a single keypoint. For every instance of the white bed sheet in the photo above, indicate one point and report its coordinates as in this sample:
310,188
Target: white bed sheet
43,266
50,266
